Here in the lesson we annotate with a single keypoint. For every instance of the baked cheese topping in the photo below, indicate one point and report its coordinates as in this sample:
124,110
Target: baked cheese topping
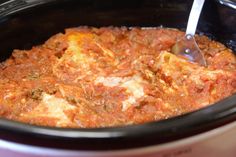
52,107
132,85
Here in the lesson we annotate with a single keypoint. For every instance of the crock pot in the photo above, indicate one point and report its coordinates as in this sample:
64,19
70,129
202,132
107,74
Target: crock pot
207,132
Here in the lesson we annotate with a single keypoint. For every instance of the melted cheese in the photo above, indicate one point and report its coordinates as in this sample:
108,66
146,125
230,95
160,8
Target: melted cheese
109,81
52,107
133,86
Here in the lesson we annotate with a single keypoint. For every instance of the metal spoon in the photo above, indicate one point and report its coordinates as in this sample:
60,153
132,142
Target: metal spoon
187,46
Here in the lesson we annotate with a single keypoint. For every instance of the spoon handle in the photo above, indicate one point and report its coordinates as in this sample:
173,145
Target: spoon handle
194,16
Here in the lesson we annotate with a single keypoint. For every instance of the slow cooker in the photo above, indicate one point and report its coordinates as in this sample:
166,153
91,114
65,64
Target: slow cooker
208,132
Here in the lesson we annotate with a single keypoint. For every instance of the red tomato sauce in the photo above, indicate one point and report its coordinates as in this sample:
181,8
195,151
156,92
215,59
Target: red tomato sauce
105,77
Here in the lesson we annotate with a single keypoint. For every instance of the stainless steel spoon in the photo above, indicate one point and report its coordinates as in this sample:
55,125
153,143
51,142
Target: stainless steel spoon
187,46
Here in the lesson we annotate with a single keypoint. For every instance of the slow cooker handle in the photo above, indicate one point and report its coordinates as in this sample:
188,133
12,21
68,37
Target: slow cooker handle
12,6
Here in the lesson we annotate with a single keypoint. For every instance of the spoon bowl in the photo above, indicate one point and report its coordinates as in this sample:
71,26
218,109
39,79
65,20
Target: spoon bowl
187,46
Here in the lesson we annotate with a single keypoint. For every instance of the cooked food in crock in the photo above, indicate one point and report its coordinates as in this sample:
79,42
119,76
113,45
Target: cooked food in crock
90,77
